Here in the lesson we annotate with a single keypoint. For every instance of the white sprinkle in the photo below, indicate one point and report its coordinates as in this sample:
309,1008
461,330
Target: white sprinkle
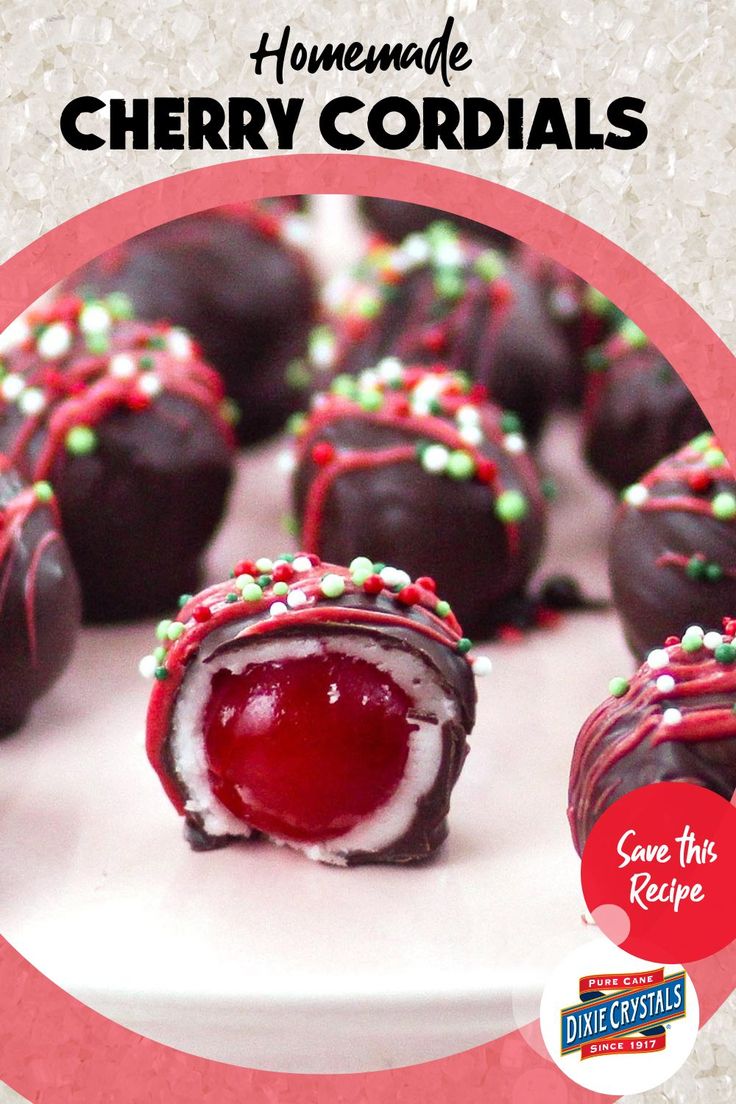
636,495
467,415
94,318
150,385
302,563
658,658
32,401
179,344
322,353
392,577
17,333
122,366
318,401
471,434
671,716
147,666
414,251
296,598
277,608
12,387
514,443
448,253
389,369
712,640
665,684
286,461
369,379
295,230
695,630
54,341
421,408
431,386
434,459
482,666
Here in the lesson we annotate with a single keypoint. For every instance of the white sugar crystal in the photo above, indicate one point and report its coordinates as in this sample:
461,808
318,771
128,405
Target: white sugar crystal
122,366
150,385
179,344
55,341
32,401
95,318
471,434
12,387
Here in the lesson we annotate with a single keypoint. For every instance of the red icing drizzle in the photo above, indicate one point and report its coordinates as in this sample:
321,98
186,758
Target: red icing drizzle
318,610
79,390
639,716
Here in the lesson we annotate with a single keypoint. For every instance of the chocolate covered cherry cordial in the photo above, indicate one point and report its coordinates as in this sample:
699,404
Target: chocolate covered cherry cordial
40,608
673,721
416,467
395,218
637,409
238,279
324,707
130,426
440,296
673,546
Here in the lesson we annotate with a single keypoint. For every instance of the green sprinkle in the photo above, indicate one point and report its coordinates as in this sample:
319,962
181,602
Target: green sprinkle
511,506
231,597
449,284
81,440
596,301
489,265
714,458
146,363
369,306
696,567
297,375
176,629
511,423
549,489
97,343
44,491
243,580
332,586
264,581
724,506
280,589
264,565
161,673
288,557
692,643
713,572
296,424
343,385
252,592
230,411
162,630
595,360
119,306
725,653
157,341
702,442
378,568
464,645
159,654
618,686
290,525
460,465
361,563
370,400
442,609
183,599
632,335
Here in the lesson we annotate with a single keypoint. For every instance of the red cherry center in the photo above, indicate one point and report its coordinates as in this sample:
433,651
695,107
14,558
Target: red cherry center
305,748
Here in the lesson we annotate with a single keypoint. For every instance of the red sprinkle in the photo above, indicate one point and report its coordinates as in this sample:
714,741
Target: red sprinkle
486,471
671,641
509,634
426,582
283,573
245,567
547,618
409,595
700,481
501,293
136,400
323,453
201,613
434,339
478,393
373,584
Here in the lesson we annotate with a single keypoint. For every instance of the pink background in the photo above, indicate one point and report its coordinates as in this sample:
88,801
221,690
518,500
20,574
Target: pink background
52,1048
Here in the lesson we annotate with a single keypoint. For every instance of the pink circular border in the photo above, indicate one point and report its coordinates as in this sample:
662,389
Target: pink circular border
55,1049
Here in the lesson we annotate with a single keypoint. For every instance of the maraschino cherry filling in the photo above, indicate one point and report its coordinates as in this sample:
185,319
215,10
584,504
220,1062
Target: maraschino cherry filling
306,748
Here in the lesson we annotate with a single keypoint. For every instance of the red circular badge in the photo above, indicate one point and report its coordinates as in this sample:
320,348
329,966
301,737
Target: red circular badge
658,872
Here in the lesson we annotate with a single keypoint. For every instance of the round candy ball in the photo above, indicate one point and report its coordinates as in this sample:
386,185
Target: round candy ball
132,429
673,546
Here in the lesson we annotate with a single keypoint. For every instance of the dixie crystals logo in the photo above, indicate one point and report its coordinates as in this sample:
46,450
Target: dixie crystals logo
623,1013
614,1023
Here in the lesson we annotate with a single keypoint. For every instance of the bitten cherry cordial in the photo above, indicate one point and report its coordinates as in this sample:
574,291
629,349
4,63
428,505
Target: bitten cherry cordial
673,721
40,607
673,546
238,279
323,707
441,296
637,409
132,429
414,466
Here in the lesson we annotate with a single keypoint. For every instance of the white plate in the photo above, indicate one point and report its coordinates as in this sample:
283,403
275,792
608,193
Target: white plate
255,955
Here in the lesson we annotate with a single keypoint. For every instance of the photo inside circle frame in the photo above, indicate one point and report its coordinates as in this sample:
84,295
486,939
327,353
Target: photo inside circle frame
685,339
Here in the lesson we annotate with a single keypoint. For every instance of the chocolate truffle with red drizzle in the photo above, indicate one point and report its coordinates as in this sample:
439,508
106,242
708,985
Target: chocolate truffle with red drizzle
323,707
673,546
40,607
583,315
130,425
673,721
637,409
238,279
415,466
440,296
394,219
